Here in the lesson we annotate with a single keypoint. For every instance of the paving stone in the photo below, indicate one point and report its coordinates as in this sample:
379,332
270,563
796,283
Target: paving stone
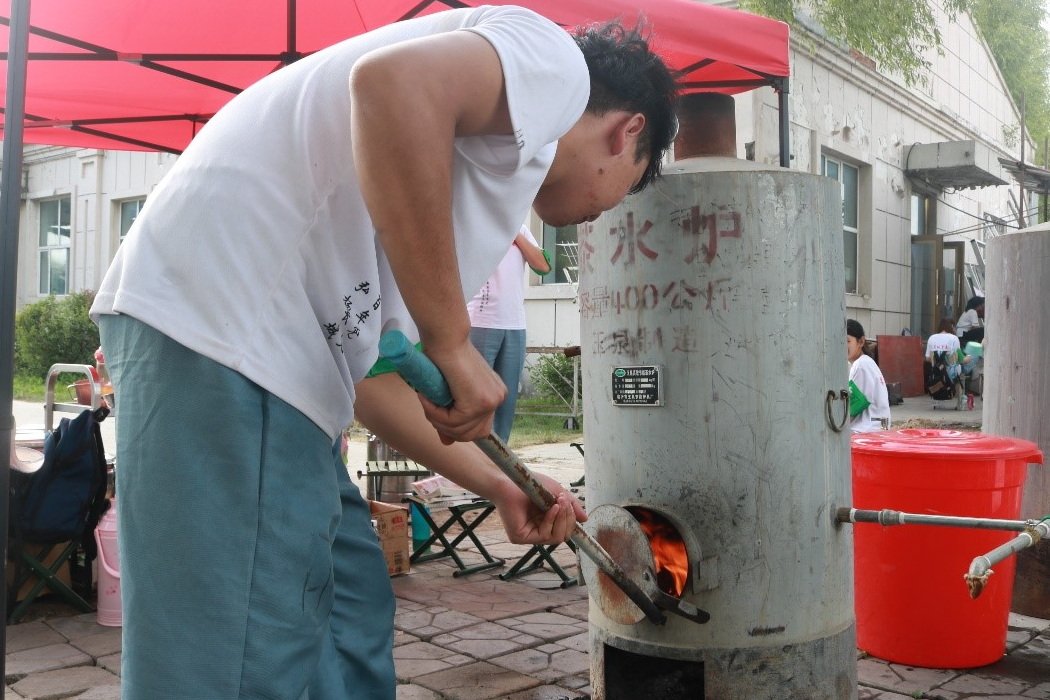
1016,673
111,663
872,694
546,692
546,625
105,692
422,658
1030,623
425,623
102,644
31,635
579,642
64,683
402,637
1040,691
477,681
579,609
485,640
54,656
415,692
1029,664
581,683
549,662
79,626
487,598
884,675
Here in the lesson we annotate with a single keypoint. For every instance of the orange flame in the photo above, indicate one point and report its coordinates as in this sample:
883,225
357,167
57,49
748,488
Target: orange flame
672,561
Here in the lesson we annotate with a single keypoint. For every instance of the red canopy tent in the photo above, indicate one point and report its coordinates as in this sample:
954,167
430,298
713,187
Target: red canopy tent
147,75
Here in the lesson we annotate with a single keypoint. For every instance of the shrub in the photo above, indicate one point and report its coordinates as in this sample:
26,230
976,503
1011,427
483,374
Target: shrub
552,376
52,330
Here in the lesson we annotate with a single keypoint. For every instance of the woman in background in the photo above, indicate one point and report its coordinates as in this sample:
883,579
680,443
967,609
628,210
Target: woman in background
869,402
970,326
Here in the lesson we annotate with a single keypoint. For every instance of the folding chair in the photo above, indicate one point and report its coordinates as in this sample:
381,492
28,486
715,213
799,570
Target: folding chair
35,560
455,509
38,562
535,558
53,512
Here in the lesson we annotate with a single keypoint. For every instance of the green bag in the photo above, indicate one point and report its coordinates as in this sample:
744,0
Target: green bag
857,400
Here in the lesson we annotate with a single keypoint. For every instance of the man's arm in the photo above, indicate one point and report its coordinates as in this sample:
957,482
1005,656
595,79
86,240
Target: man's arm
409,102
386,406
533,254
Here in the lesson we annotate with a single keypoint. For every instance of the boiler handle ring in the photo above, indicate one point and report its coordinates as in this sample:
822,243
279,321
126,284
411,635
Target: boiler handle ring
844,397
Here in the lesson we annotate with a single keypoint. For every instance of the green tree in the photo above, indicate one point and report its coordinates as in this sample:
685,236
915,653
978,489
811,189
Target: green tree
898,33
52,330
1014,32
894,33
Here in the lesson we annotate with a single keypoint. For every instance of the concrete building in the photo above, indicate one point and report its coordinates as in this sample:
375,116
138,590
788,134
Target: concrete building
922,182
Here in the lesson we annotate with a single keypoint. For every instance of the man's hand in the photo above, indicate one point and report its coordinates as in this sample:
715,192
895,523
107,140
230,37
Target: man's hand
476,393
526,524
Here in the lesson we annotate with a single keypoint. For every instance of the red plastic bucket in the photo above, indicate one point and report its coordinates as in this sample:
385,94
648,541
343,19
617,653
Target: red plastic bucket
912,603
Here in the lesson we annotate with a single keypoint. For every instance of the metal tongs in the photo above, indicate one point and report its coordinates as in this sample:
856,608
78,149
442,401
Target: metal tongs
424,376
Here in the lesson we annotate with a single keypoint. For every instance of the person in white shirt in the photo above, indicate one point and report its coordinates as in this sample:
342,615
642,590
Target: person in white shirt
970,326
957,365
943,341
497,320
373,185
869,400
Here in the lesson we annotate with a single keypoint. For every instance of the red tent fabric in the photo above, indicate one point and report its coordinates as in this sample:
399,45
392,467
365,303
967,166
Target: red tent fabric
146,75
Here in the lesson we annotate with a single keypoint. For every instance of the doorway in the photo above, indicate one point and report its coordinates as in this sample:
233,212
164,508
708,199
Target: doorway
937,282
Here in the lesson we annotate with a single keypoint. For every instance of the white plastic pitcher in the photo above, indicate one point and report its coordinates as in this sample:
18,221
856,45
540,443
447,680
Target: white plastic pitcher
108,569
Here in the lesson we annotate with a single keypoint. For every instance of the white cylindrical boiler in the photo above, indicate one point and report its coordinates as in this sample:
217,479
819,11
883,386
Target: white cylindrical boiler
714,361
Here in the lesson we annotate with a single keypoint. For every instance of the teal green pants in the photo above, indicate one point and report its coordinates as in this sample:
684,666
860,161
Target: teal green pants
248,564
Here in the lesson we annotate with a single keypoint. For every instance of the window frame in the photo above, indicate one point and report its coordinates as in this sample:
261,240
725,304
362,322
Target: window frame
560,243
46,249
849,232
122,232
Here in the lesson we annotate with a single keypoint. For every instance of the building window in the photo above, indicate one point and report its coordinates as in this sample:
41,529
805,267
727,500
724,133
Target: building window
993,226
561,244
848,177
920,205
129,210
53,247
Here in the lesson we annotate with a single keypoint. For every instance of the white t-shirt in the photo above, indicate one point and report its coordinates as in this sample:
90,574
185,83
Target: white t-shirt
968,320
256,249
868,377
500,303
941,342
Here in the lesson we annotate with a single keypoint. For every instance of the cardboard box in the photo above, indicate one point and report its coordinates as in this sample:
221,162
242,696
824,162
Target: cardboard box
391,523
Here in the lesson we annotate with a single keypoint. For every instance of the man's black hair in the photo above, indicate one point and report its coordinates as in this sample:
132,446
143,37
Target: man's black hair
626,75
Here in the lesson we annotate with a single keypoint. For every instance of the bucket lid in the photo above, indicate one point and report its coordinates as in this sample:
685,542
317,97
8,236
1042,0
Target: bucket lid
956,444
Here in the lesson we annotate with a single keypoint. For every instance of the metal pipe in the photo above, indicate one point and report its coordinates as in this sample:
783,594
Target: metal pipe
896,517
1032,531
981,567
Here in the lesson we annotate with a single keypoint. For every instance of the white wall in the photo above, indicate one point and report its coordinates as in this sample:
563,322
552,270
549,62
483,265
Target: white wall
843,108
96,183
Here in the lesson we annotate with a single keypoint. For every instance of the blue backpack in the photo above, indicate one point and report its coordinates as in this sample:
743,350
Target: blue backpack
66,497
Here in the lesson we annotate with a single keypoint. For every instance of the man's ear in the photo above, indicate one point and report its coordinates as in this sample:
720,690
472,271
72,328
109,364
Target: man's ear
626,133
